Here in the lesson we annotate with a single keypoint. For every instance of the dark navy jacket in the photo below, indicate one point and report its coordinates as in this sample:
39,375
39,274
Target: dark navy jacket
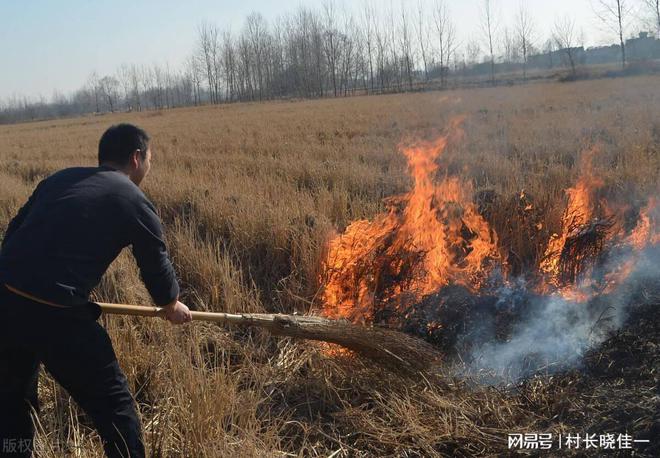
74,225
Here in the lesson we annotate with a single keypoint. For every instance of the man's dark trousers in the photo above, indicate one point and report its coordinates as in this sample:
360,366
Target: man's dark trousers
78,353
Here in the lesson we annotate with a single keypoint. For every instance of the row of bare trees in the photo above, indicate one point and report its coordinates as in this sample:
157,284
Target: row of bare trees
329,52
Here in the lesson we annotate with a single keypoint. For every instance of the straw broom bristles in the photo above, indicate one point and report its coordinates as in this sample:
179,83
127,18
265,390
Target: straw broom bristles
388,347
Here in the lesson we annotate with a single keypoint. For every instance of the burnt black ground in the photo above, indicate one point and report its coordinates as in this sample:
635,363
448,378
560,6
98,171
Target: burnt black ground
617,389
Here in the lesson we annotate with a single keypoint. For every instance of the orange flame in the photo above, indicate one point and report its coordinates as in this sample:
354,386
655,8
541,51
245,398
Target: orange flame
433,236
582,207
583,212
645,233
430,237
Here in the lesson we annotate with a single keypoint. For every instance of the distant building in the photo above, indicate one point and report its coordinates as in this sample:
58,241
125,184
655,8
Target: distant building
603,54
644,47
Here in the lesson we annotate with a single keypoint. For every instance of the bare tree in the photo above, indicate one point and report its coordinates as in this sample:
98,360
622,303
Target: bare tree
229,58
489,28
446,36
331,40
168,83
208,49
196,72
109,87
395,64
95,88
525,34
615,14
157,86
149,86
270,47
135,86
298,49
361,72
369,17
473,51
654,7
257,30
393,67
422,32
315,32
304,33
348,54
406,46
381,55
509,46
124,77
566,37
279,57
246,89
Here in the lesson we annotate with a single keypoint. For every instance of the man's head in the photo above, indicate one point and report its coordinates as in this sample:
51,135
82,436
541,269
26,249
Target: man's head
126,147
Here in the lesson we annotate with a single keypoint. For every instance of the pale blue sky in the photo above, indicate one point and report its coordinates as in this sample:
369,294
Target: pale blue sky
48,45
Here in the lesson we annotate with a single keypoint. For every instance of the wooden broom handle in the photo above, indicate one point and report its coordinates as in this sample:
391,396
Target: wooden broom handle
141,310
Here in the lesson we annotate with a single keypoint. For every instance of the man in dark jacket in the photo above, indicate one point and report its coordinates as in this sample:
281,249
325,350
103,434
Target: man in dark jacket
53,254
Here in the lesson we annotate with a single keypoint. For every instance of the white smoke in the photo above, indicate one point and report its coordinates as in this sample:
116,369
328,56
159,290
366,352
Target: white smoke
555,333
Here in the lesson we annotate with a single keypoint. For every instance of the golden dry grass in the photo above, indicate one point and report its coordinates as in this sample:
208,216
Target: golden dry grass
249,195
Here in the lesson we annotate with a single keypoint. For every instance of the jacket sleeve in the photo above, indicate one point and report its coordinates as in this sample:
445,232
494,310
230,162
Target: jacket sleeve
17,221
151,255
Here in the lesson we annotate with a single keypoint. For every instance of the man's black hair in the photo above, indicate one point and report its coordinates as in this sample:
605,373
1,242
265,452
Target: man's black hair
120,141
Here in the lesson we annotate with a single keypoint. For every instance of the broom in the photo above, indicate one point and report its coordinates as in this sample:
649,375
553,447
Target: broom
391,348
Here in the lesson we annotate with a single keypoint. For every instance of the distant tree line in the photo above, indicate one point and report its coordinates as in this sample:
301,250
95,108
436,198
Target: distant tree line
327,52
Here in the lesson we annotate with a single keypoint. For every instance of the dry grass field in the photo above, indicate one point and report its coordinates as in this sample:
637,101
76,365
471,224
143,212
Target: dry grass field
250,195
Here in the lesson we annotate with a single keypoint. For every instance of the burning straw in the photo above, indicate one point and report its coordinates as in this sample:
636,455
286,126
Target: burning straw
433,266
